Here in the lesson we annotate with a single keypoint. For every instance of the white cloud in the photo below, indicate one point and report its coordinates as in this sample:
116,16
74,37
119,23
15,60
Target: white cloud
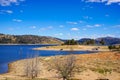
17,20
105,28
10,29
71,22
97,25
21,11
107,15
89,26
112,1
108,2
9,11
6,11
74,29
87,17
46,28
50,27
9,2
84,29
81,21
59,34
93,26
116,26
33,27
42,29
107,35
94,36
61,26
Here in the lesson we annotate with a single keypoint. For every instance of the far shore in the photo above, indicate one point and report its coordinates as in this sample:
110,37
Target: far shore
28,44
74,47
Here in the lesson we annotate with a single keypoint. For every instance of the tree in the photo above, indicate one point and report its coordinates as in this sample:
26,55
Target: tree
102,42
71,42
31,66
65,67
110,47
88,42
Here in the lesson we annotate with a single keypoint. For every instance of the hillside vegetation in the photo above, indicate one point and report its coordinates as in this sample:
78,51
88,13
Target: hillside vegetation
27,39
34,39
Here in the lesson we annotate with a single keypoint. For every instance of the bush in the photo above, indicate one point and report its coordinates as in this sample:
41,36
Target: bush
65,67
71,42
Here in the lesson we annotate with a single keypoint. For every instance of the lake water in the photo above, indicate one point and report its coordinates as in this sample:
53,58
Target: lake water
10,53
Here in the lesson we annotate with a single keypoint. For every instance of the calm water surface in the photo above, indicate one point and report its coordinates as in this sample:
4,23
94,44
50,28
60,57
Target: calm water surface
10,53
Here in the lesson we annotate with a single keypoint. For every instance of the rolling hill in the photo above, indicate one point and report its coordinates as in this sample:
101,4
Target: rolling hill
28,39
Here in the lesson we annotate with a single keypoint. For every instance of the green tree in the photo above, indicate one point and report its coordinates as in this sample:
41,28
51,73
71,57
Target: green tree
89,42
110,47
71,42
102,42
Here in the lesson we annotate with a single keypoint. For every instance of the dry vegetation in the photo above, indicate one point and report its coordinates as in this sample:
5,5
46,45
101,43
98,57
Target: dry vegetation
96,66
74,47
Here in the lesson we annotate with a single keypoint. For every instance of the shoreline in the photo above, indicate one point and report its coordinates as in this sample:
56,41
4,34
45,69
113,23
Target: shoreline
73,47
28,44
16,67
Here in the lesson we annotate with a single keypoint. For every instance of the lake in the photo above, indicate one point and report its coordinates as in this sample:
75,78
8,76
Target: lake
10,53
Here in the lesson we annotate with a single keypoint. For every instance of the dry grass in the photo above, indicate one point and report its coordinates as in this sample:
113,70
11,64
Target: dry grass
89,67
74,47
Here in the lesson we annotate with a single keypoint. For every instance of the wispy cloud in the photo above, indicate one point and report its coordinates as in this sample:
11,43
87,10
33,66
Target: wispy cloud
21,11
74,29
107,2
49,27
17,20
33,27
69,22
93,26
107,15
6,11
87,17
94,36
10,29
81,21
46,28
10,2
116,26
59,34
84,29
97,25
61,26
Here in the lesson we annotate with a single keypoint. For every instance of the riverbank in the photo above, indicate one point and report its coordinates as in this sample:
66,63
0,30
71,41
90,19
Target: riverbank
74,47
90,65
28,44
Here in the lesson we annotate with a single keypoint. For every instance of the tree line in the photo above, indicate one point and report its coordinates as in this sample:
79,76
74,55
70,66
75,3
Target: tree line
86,42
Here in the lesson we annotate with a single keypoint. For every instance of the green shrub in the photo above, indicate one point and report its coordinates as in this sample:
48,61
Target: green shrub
102,70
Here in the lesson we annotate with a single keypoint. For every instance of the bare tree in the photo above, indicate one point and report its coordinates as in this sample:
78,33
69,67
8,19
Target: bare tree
31,66
65,67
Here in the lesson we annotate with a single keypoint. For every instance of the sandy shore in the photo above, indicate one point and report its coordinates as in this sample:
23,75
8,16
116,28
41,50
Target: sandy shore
74,47
88,63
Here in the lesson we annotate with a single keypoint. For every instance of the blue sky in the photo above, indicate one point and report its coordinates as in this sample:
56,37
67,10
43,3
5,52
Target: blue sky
63,19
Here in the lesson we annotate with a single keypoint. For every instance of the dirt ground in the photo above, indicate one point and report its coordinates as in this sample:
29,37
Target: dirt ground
91,67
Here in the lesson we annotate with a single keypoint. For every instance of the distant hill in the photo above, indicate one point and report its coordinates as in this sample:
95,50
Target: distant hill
84,39
107,40
28,39
34,39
